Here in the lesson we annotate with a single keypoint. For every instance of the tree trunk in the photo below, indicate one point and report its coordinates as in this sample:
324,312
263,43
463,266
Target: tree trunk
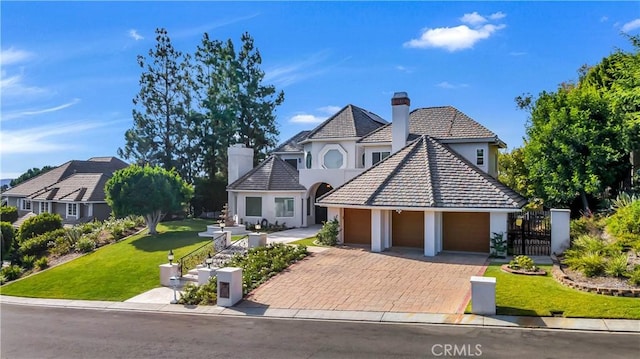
152,220
585,204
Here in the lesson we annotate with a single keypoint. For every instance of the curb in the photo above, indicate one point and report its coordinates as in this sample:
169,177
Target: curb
628,326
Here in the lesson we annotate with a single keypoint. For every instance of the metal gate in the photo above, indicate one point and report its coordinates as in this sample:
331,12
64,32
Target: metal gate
529,233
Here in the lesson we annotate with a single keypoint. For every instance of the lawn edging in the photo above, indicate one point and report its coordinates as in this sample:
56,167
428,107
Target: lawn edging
564,279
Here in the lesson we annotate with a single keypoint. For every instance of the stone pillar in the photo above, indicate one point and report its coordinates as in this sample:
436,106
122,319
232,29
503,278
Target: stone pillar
376,231
229,286
166,272
430,234
204,274
304,211
560,237
257,240
497,224
483,295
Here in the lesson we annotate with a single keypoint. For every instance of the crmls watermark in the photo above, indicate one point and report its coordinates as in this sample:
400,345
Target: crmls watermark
456,350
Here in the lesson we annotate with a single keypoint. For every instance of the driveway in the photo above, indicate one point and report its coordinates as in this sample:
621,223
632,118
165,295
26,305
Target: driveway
351,278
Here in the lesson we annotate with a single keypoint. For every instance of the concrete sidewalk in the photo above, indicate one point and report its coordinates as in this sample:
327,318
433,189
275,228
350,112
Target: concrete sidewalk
294,234
606,325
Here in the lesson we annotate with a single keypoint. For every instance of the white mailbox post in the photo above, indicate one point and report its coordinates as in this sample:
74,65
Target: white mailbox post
229,286
483,295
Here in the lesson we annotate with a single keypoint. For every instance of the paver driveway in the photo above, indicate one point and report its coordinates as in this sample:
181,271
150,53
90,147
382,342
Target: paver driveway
356,279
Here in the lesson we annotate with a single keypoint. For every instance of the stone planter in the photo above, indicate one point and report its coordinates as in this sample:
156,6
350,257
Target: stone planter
505,268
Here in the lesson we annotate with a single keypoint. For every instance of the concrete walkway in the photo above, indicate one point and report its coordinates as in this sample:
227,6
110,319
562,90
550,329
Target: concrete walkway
606,325
292,235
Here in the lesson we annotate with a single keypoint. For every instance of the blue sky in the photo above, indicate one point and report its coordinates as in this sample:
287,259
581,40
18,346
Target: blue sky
69,71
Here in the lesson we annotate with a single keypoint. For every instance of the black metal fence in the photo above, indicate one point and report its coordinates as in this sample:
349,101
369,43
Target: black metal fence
529,233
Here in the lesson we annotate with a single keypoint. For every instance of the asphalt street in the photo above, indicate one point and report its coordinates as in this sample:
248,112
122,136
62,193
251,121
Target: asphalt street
46,332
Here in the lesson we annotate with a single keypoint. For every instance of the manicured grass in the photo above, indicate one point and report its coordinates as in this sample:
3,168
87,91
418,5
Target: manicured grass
114,272
308,242
538,296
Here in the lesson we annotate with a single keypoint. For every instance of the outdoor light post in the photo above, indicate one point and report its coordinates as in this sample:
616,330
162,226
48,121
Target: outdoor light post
258,227
209,260
174,284
222,225
170,257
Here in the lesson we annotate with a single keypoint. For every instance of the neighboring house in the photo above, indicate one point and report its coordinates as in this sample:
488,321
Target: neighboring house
427,180
74,190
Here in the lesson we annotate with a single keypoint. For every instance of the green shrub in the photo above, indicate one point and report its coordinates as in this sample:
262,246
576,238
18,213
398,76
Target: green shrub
588,243
10,273
590,264
634,276
8,235
524,263
626,220
42,263
616,266
27,261
85,245
593,225
8,214
206,294
40,224
39,245
328,235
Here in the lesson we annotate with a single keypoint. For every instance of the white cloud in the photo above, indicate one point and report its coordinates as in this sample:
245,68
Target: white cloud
450,86
133,33
517,53
12,56
497,15
404,69
474,18
453,38
295,72
14,87
604,19
330,110
306,118
200,30
14,115
631,25
44,139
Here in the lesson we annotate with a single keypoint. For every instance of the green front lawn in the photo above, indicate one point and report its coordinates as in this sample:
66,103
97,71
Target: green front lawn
308,242
114,272
539,296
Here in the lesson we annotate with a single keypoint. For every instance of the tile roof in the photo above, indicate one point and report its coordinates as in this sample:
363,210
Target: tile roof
444,122
90,174
351,121
293,144
425,174
273,174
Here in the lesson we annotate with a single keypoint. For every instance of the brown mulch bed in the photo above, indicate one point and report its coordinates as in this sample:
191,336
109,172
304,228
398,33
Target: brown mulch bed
601,282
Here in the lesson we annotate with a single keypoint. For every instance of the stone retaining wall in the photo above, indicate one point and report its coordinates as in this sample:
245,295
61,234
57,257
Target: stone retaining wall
561,277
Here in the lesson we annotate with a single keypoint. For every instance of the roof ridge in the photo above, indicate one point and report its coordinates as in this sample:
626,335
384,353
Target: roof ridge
325,122
271,164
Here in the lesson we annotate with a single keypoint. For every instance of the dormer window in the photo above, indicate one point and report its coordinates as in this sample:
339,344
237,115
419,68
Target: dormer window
333,157
379,156
480,157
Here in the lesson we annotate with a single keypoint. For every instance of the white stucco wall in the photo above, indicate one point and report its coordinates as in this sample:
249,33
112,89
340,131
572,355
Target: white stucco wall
468,151
316,147
498,224
334,177
269,207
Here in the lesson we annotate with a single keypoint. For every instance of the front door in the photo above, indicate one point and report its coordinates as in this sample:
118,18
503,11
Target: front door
321,212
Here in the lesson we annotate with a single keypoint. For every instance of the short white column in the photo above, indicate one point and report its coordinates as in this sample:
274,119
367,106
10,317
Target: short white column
483,295
204,274
229,286
257,240
228,238
560,233
376,230
166,272
304,212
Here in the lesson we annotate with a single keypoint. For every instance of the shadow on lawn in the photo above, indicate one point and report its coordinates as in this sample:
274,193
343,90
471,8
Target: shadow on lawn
502,310
177,235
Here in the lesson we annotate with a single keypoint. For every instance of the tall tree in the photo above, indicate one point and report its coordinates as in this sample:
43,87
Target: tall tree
162,104
147,191
513,171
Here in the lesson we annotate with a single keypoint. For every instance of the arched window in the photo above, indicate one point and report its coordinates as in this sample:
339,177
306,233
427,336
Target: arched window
308,159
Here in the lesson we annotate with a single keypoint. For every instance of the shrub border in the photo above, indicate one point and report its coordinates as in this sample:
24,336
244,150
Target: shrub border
560,276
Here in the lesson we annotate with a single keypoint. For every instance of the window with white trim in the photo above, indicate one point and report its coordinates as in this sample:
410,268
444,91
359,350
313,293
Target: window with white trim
253,206
284,207
480,157
25,204
333,156
379,156
72,210
44,207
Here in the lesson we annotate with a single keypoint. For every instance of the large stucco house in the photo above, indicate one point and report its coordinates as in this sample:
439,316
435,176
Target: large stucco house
74,190
426,180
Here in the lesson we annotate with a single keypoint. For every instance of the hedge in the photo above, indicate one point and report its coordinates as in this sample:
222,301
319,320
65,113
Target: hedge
40,224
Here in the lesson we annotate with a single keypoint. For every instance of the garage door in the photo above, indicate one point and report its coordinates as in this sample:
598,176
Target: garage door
357,226
407,229
465,231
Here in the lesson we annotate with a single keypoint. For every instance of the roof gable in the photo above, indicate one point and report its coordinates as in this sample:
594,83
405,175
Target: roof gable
425,174
273,174
351,121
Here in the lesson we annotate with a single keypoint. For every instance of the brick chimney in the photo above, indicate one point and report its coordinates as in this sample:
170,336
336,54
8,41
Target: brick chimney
400,121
